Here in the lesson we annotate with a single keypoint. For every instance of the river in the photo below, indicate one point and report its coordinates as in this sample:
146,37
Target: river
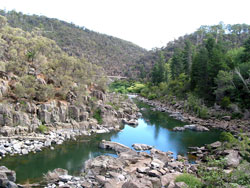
155,128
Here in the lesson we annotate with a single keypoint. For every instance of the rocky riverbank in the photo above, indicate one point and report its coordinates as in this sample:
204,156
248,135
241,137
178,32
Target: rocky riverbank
177,111
129,169
60,121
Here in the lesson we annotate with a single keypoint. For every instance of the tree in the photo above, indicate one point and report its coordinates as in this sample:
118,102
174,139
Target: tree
3,21
246,51
177,64
159,70
225,84
187,57
199,74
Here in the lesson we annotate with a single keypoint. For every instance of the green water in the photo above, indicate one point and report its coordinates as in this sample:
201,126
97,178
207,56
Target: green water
154,129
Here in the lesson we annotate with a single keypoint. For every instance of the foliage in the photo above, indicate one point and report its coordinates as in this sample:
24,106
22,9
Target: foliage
158,70
136,88
194,104
111,53
98,116
212,63
225,102
42,128
42,71
190,180
214,177
120,86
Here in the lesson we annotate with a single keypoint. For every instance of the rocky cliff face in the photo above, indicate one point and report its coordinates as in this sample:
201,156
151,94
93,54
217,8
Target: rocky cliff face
17,118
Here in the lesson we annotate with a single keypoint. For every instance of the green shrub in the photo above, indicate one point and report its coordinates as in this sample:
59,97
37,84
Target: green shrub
42,128
203,112
152,96
97,115
45,92
225,102
136,88
190,180
227,137
237,115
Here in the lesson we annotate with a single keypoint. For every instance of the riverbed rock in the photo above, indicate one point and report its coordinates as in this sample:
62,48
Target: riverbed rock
232,158
142,147
132,122
227,118
192,127
166,179
7,177
114,146
216,144
54,175
178,129
196,128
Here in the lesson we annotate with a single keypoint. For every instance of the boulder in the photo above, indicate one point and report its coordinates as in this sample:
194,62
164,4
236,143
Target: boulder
181,185
167,178
55,174
24,151
6,174
141,147
178,129
227,118
132,122
216,144
114,146
233,158
132,184
196,128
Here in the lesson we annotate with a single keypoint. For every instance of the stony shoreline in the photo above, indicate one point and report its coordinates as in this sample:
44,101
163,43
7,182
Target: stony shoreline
21,140
129,169
177,111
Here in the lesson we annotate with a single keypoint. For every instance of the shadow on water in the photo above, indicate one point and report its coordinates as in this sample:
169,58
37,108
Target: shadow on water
155,128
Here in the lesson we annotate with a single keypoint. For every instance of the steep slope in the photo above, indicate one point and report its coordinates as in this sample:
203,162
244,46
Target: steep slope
116,56
232,36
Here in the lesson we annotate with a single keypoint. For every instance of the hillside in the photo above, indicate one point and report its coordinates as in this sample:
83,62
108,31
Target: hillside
232,36
116,56
33,67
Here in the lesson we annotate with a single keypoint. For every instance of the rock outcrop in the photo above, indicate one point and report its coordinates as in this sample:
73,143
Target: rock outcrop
129,169
21,124
7,178
193,127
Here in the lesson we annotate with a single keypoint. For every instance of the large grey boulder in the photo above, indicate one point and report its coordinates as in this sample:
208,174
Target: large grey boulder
114,146
196,128
142,147
167,178
132,184
232,158
55,175
8,174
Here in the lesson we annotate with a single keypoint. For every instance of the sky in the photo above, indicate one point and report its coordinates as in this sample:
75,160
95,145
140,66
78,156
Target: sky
147,23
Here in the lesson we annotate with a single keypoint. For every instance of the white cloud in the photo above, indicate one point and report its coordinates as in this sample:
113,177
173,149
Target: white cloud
148,23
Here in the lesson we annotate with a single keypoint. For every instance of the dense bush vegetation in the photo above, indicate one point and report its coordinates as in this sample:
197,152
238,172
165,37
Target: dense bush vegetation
212,65
42,71
116,56
217,177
